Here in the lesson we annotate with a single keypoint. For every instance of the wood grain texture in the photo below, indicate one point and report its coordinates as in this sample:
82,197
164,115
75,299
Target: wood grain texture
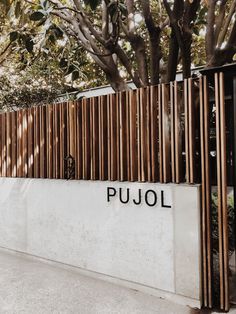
14,143
8,145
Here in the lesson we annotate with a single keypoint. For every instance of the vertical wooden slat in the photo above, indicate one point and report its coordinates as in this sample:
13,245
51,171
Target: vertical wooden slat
222,191
113,137
178,135
62,139
42,139
154,132
76,140
123,137
86,139
208,190
206,194
19,144
103,138
30,142
24,143
49,122
186,124
143,133
139,135
54,146
203,209
72,132
127,112
148,134
79,140
8,144
108,105
117,105
133,136
14,144
56,142
4,152
95,139
1,145
90,139
221,266
36,142
191,128
72,128
160,104
173,138
165,134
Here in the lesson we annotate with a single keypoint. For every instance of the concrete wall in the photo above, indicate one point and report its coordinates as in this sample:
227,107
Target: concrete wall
74,222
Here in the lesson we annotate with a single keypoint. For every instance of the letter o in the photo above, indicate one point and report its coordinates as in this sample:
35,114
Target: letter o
146,198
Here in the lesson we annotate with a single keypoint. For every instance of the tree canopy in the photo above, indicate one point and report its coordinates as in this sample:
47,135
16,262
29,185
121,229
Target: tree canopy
144,41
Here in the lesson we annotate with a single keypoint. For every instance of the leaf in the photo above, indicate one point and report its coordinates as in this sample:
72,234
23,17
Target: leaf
63,63
29,44
123,9
13,36
70,69
17,9
36,16
75,75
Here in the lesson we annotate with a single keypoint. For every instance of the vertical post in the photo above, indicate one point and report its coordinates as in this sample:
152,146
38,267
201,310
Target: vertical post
222,190
206,194
234,149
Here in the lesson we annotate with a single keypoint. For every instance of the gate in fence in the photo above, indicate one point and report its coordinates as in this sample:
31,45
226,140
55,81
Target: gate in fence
177,132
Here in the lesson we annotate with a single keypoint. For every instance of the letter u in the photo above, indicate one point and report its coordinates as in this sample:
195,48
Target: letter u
121,198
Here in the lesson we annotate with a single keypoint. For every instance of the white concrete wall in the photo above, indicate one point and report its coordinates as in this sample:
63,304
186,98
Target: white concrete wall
72,222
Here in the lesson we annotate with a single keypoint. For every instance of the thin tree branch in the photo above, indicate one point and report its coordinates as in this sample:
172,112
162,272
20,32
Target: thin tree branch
226,24
220,20
210,31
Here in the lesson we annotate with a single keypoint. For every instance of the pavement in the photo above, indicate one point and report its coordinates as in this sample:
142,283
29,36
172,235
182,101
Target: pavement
32,286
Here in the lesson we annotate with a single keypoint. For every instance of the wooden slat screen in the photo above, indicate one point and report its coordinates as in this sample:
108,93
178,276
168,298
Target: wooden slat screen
152,134
142,135
133,135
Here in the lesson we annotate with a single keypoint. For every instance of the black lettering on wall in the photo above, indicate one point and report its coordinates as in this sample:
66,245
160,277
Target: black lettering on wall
154,198
139,198
127,196
111,192
163,201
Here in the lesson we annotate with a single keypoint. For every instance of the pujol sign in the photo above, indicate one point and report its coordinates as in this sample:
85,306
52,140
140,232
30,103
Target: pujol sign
150,197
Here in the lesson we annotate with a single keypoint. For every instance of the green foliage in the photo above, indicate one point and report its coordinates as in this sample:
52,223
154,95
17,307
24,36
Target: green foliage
36,16
42,30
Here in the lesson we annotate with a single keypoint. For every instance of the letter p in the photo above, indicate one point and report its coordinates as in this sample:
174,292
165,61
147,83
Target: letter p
110,193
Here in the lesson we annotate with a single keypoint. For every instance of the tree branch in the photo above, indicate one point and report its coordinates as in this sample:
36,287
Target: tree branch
210,31
226,24
154,39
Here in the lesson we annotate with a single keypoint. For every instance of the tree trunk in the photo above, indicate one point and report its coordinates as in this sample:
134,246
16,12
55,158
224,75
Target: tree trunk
138,45
155,56
172,58
116,81
186,54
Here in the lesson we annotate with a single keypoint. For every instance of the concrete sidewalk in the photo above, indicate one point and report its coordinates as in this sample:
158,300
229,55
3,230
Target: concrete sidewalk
30,286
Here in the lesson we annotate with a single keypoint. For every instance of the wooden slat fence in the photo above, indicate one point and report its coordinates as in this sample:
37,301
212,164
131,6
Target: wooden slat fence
134,136
153,134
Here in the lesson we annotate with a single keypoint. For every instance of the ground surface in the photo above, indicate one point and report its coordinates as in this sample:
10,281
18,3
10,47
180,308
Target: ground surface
30,286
